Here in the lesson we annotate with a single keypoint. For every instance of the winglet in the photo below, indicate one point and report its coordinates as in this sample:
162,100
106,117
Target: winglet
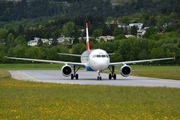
87,38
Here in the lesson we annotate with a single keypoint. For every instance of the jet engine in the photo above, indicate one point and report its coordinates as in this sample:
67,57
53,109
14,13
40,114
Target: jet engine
66,70
125,70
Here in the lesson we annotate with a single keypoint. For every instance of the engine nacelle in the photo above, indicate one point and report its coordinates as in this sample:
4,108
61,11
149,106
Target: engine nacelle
66,70
125,70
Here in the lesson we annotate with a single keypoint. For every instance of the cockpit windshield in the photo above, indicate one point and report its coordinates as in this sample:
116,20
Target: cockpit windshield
100,56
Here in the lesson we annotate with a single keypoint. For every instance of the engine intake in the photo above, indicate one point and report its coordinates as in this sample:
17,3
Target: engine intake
66,70
125,70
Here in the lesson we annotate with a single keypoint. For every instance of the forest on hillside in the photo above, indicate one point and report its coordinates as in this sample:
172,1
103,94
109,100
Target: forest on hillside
51,19
152,45
73,8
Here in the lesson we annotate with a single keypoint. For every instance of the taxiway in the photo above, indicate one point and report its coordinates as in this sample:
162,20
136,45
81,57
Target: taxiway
90,78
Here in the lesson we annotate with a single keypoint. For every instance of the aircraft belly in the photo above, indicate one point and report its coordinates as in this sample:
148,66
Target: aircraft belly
88,68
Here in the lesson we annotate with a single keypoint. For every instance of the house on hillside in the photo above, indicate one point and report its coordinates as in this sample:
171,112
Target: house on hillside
140,30
129,36
63,39
36,39
122,25
138,25
32,43
49,41
105,38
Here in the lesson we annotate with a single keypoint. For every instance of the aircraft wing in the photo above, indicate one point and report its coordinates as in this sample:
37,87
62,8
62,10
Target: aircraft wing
138,61
49,61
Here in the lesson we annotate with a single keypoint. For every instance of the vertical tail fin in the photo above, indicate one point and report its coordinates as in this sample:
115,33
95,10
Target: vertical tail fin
87,38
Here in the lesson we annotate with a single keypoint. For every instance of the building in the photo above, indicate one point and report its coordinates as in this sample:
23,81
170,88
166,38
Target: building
105,38
138,25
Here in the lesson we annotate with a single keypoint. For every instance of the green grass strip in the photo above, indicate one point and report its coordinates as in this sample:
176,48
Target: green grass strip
31,100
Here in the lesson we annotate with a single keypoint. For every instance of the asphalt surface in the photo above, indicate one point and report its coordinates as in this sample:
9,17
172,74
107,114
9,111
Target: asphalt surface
90,78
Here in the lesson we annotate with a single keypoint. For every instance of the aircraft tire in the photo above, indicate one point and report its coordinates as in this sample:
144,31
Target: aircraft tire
77,76
114,76
99,78
110,76
72,76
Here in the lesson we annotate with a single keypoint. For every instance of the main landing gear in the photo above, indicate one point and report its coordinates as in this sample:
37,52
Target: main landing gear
112,75
74,75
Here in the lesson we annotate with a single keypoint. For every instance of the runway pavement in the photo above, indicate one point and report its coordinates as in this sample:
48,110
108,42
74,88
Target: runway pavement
90,78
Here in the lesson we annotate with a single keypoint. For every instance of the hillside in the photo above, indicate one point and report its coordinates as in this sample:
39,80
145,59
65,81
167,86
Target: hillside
31,14
52,19
28,10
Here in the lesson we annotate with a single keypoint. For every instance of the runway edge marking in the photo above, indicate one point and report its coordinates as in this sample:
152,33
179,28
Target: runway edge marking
30,76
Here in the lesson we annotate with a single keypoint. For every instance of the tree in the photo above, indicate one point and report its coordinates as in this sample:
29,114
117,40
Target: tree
150,31
54,42
117,32
119,37
19,50
78,48
8,26
52,54
157,53
133,30
68,28
162,20
3,33
3,53
10,39
20,30
75,40
20,40
40,43
35,52
143,55
96,33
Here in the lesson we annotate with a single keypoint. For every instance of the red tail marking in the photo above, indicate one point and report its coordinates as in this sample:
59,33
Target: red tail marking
87,46
87,38
86,25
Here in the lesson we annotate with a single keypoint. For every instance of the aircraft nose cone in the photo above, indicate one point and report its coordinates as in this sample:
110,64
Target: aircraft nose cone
100,65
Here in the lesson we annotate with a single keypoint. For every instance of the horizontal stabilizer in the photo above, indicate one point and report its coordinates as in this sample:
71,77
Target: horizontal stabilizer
77,55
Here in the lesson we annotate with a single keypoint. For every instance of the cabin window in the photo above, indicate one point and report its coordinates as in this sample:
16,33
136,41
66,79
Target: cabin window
99,56
103,55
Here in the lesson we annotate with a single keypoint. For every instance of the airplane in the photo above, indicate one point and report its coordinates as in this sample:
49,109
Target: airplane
92,60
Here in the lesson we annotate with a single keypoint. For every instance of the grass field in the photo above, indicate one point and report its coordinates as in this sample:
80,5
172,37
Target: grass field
30,66
31,100
166,72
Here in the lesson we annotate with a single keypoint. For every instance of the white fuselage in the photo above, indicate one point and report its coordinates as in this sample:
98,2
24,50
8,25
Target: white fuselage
95,60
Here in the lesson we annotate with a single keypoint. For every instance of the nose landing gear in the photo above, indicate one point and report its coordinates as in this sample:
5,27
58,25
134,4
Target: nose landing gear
99,76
